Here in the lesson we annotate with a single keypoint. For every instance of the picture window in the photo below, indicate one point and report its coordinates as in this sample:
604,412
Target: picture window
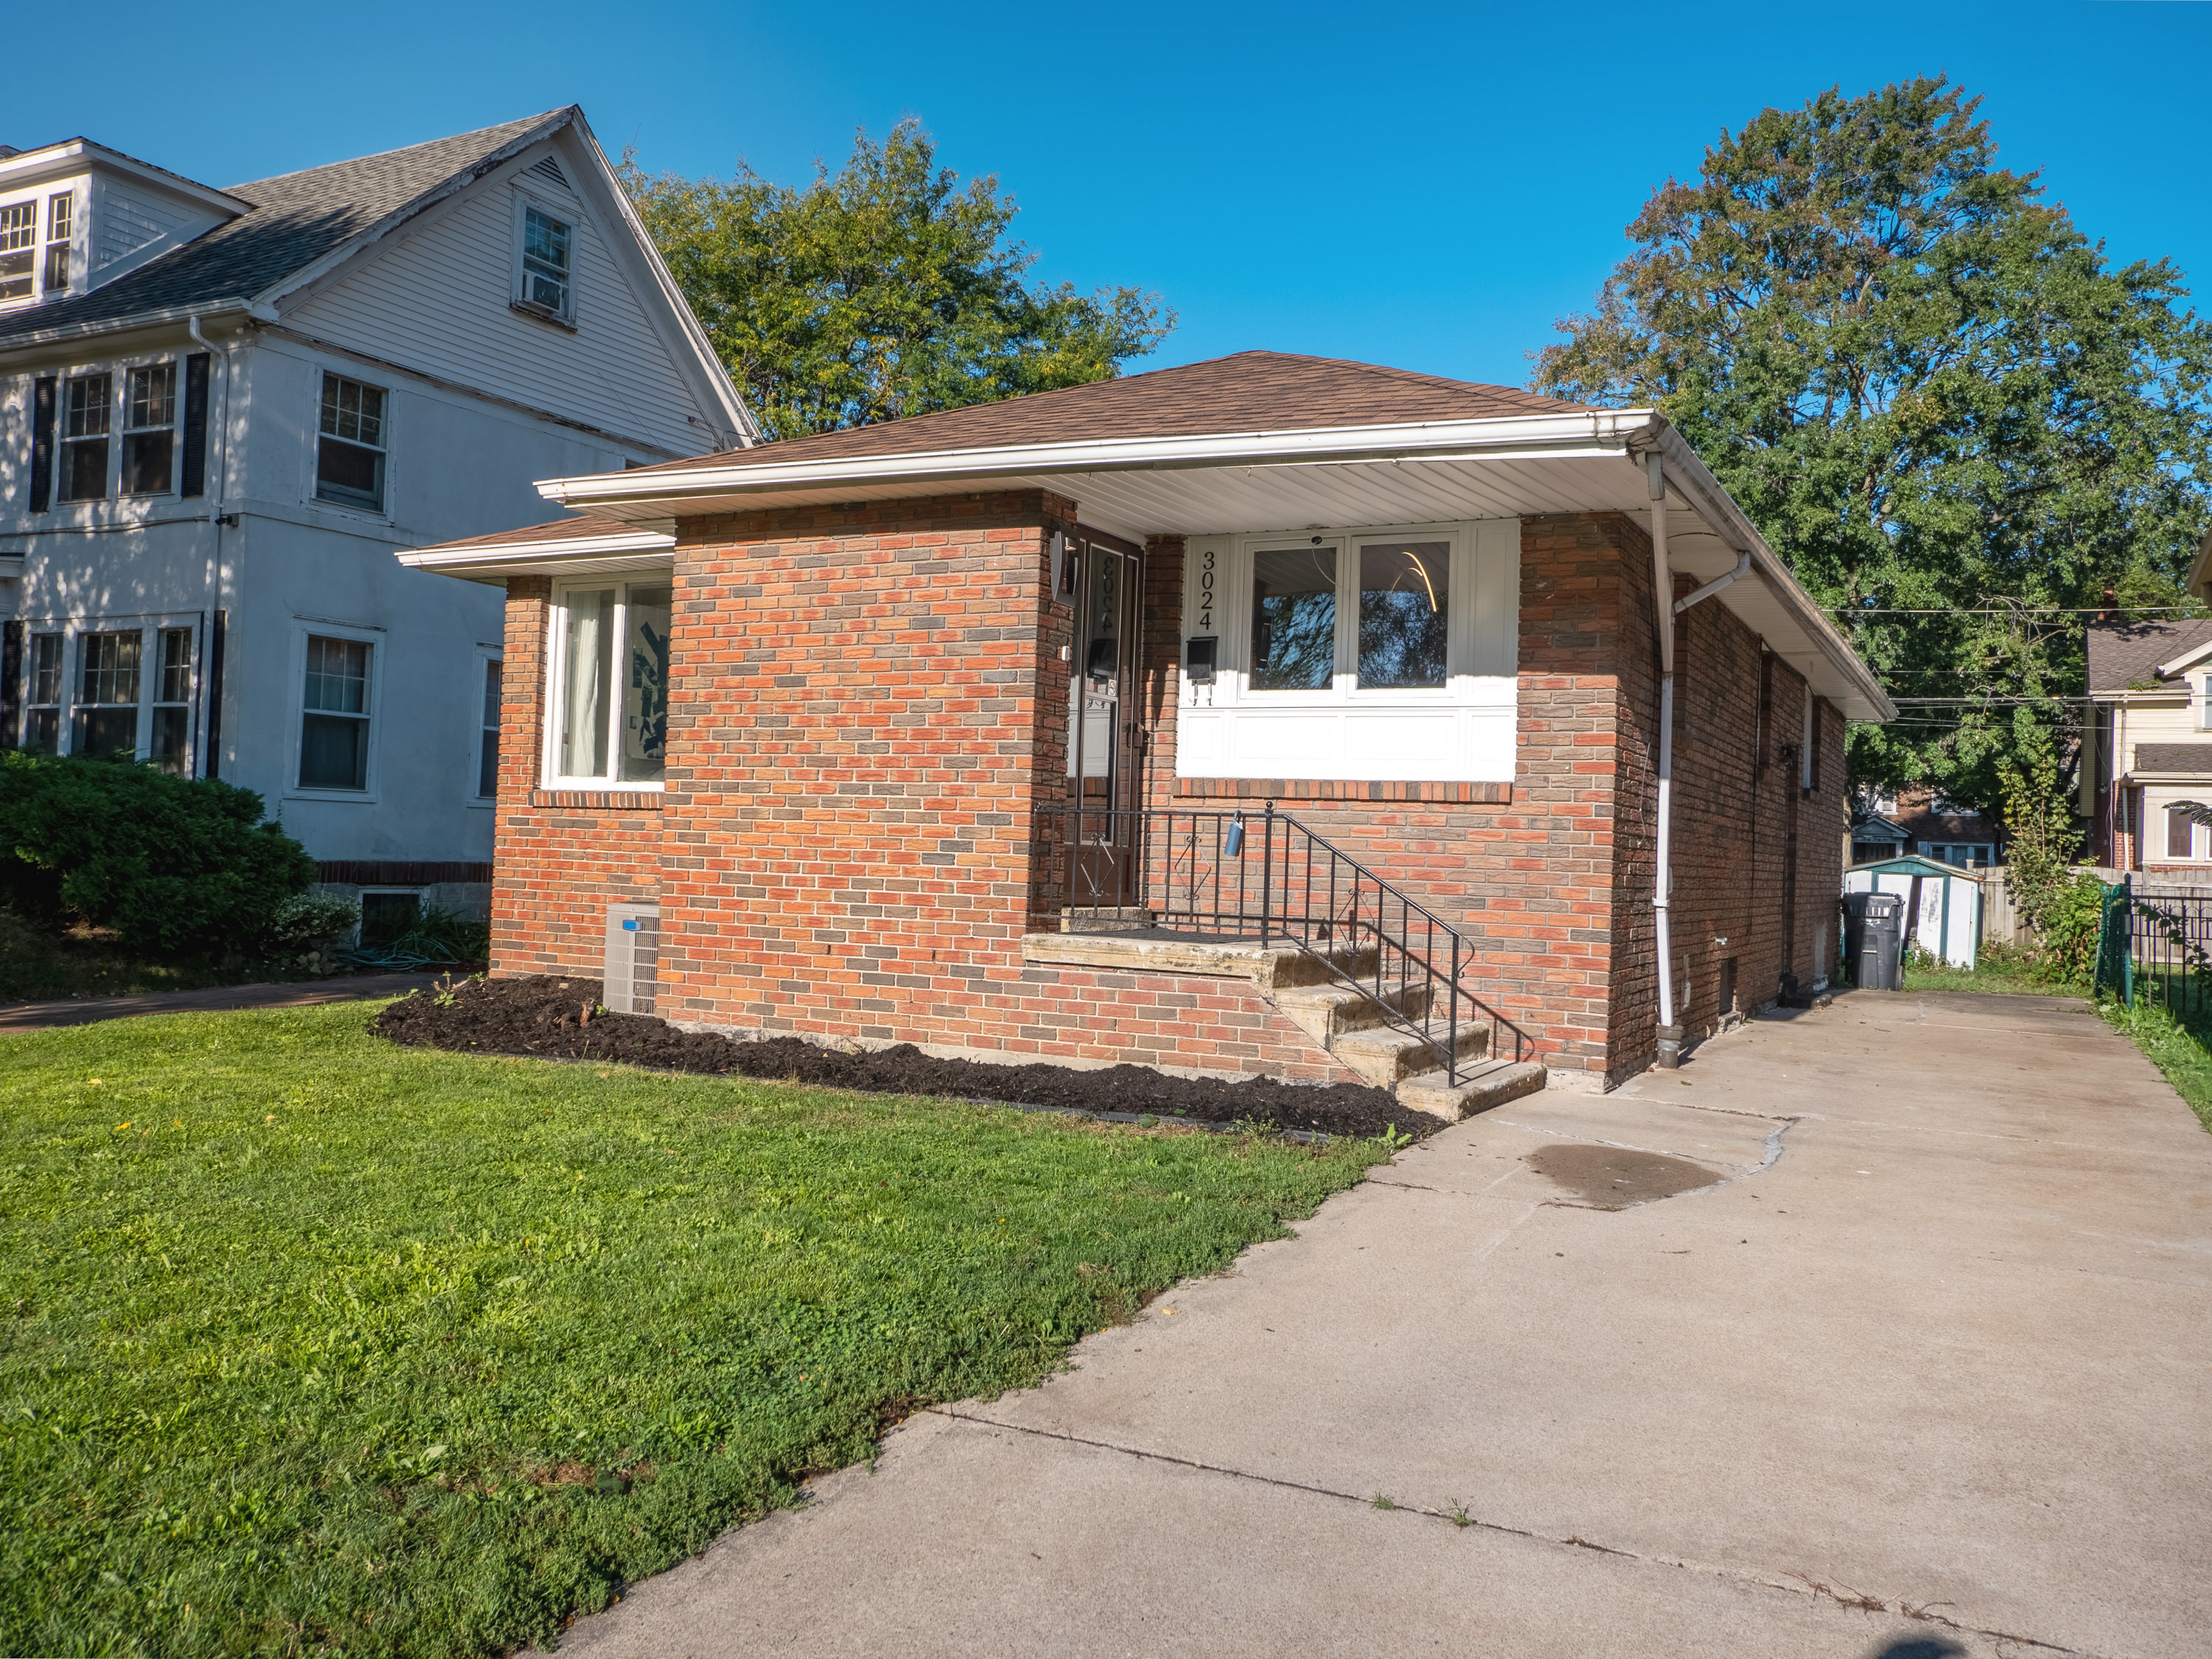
334,717
350,453
611,722
1405,590
1294,619
84,437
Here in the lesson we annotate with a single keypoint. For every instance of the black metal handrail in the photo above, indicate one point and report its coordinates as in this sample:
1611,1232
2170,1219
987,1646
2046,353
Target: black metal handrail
1234,874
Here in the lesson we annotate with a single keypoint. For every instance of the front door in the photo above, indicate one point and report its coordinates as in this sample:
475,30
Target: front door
1102,747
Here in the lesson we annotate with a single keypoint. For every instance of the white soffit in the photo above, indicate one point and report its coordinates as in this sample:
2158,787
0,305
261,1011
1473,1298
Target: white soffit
568,555
1308,480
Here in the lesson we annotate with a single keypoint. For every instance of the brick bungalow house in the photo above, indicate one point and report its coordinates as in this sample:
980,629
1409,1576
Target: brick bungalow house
1366,780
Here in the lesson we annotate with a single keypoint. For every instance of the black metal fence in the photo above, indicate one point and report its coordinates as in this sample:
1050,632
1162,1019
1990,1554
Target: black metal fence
2169,948
1265,876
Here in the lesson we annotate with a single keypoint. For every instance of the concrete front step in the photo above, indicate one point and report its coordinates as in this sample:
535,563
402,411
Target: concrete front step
1327,1013
1489,1083
1269,967
1385,1055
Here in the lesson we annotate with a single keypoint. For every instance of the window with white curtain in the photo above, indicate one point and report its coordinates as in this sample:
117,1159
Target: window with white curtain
609,722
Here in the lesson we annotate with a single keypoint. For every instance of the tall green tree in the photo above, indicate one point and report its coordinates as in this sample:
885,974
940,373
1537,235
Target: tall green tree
1932,394
887,289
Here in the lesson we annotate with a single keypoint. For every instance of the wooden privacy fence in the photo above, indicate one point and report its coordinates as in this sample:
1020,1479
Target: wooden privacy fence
2002,923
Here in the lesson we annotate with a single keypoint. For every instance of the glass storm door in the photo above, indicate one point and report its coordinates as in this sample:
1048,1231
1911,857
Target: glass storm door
1102,746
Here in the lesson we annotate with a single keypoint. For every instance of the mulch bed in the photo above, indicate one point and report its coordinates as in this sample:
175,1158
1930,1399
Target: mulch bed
542,1015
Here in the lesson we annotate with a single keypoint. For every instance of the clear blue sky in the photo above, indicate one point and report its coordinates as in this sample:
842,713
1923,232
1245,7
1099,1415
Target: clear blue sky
1423,187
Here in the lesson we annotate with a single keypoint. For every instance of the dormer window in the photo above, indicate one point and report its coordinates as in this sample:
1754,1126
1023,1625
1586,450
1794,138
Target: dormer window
543,283
61,216
19,242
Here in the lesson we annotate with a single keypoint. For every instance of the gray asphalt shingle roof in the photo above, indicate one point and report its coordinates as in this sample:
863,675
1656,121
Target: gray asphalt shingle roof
296,219
2122,654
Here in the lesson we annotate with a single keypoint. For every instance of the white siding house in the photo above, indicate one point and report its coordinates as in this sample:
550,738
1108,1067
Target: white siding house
222,412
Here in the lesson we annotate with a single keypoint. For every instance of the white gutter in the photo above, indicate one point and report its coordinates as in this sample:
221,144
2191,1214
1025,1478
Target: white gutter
1534,436
460,561
154,318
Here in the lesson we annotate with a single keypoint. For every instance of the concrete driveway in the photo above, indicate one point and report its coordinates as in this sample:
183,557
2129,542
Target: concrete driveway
1924,1368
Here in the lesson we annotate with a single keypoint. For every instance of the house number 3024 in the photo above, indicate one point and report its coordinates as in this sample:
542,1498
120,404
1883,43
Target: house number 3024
1206,591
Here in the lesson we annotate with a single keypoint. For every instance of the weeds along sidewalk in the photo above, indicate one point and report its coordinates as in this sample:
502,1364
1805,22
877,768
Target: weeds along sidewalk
320,1341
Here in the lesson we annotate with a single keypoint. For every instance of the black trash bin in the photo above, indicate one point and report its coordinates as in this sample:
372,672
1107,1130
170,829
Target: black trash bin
1874,940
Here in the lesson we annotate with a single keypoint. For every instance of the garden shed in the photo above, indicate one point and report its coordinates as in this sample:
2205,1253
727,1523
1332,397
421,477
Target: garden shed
1943,902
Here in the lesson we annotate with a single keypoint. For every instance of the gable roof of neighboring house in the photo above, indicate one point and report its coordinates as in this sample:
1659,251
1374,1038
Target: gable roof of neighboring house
2122,654
1248,392
577,545
293,222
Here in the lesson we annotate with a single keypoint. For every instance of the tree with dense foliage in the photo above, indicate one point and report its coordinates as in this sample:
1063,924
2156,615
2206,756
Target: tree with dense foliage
886,290
175,865
1938,401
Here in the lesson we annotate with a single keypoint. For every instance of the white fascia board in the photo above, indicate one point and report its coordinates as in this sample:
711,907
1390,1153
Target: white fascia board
462,561
295,283
206,311
27,170
1712,502
2187,660
611,198
1537,436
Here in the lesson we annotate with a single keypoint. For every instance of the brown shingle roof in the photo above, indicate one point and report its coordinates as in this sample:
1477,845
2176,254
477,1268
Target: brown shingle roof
2174,758
1250,392
581,527
2122,653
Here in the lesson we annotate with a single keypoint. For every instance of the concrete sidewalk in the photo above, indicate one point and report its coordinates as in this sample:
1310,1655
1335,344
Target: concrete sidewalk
85,1011
1923,1370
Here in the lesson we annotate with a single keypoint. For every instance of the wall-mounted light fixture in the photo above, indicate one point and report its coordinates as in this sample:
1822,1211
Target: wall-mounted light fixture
1064,563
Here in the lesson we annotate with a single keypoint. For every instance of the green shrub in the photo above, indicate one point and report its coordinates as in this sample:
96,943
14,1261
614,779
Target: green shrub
2067,947
304,922
176,867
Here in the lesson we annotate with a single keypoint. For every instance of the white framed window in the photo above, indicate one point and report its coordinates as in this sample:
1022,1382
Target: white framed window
19,244
489,670
608,655
61,219
351,443
149,430
336,710
544,262
108,685
88,413
1384,652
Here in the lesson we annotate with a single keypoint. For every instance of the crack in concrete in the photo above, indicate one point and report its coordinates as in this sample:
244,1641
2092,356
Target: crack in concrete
1803,1583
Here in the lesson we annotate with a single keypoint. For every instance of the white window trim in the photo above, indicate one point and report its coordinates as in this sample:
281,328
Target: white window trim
175,428
484,653
314,499
525,197
296,704
148,627
556,679
1344,732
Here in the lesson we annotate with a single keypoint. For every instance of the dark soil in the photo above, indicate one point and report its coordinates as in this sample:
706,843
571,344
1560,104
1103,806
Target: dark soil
545,1015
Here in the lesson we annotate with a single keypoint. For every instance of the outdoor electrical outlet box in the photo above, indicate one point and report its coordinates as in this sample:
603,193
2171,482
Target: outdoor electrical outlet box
1198,659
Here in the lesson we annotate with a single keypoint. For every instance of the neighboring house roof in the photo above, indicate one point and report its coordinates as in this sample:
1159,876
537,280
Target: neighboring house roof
2122,654
2174,758
296,220
575,544
1948,827
1251,390
1884,828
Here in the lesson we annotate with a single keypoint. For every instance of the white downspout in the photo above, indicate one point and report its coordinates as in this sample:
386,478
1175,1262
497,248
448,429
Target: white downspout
220,467
1665,609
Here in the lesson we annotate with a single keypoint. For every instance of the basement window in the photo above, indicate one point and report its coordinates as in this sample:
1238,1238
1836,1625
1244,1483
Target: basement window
610,715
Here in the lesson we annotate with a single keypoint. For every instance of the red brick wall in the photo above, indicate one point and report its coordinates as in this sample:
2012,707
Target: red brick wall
558,860
855,746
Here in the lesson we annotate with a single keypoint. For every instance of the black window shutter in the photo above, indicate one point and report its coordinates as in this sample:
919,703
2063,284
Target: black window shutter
213,769
43,398
196,433
11,684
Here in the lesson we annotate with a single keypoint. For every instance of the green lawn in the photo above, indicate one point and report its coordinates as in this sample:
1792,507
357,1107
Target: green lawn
317,1344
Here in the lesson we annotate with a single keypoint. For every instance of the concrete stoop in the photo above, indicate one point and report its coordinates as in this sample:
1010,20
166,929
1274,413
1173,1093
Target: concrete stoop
1351,1024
